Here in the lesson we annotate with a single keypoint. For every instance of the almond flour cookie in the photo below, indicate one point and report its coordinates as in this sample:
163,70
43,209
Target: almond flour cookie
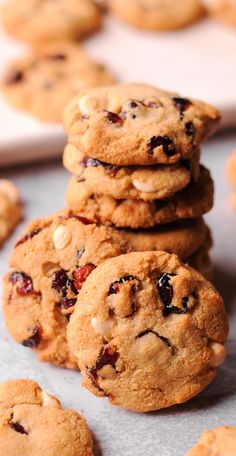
193,201
158,14
224,10
36,21
33,423
49,265
137,124
43,82
148,332
10,208
231,175
134,182
218,442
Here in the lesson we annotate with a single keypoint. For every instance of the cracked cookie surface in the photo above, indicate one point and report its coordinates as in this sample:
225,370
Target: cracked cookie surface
148,332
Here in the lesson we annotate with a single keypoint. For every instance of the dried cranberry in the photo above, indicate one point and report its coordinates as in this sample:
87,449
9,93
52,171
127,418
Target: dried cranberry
56,56
112,117
106,357
28,236
14,77
114,288
23,282
67,303
34,340
189,129
61,282
81,274
18,428
133,104
182,104
164,141
166,294
83,220
80,252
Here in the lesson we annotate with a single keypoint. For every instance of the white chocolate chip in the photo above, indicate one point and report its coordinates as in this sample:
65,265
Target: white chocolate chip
49,401
142,186
218,354
61,237
88,104
9,190
102,327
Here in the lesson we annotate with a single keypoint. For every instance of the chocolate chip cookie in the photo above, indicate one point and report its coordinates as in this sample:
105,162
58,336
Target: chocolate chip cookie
148,332
32,423
137,124
36,21
49,265
158,14
218,442
44,81
193,201
10,208
134,182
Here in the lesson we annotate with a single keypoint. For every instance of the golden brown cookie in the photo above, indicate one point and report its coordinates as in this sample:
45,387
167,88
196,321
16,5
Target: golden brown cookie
218,442
138,124
158,14
44,81
32,423
48,265
148,332
225,10
193,201
10,208
36,21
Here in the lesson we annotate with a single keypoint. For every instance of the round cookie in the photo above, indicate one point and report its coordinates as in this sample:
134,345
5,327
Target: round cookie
193,201
10,208
43,82
33,423
37,21
148,332
137,124
218,442
224,10
48,265
134,182
158,14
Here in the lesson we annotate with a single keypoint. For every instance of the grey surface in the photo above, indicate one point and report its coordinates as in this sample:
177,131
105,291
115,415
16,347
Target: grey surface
117,432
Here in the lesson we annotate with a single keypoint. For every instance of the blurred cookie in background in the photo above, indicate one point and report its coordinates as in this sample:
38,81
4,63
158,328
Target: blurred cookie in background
36,21
10,208
218,442
158,14
231,176
43,81
225,10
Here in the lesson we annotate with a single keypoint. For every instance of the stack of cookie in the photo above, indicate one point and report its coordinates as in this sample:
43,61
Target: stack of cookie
134,154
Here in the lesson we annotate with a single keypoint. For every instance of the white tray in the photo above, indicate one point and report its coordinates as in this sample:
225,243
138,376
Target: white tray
198,61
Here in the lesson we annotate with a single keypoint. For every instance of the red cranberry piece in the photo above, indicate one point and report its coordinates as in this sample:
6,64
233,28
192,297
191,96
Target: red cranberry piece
83,220
28,236
15,77
164,141
106,357
182,104
61,282
189,129
23,282
114,288
67,303
81,274
34,340
112,117
18,428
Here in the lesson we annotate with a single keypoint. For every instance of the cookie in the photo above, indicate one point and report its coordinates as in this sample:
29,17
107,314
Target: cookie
32,423
200,259
231,170
10,209
137,124
48,265
158,14
134,182
218,442
193,201
224,10
37,21
43,82
148,332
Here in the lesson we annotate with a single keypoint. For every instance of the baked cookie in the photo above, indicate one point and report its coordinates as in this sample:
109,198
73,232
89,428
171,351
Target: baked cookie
158,14
137,124
224,10
148,332
231,176
49,264
37,21
10,208
43,82
134,182
33,423
200,260
193,201
218,442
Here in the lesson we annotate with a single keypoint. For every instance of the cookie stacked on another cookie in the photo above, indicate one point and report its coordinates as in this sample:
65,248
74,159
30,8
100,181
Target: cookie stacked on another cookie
134,154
